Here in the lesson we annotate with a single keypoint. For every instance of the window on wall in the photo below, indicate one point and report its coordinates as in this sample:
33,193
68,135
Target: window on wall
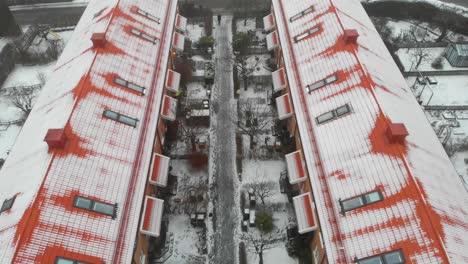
392,257
316,255
148,15
129,85
142,257
333,114
306,34
301,14
361,201
143,35
321,83
7,204
95,206
61,260
120,118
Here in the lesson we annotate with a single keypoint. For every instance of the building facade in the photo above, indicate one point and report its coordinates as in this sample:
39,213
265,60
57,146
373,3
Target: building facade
373,183
79,185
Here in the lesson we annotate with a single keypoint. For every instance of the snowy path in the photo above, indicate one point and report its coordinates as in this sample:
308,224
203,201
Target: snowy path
224,180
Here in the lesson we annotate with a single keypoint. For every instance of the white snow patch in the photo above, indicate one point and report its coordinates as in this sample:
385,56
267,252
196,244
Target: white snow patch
245,25
449,90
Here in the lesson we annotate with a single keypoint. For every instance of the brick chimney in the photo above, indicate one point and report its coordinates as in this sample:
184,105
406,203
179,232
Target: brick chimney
396,133
56,138
351,36
99,40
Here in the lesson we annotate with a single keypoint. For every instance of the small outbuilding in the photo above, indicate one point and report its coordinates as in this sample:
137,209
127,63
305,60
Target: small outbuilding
457,54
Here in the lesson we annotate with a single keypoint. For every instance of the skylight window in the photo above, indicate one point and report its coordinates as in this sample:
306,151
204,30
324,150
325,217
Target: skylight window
301,14
361,201
392,257
129,85
98,13
61,260
95,206
306,34
334,114
7,204
143,35
120,118
320,84
148,15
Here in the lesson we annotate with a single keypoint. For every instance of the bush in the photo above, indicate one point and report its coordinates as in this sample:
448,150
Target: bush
241,42
264,221
198,160
205,42
438,63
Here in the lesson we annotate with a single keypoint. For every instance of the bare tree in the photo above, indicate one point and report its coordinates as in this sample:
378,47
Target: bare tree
55,48
191,134
419,55
259,242
253,119
262,188
41,77
245,69
23,101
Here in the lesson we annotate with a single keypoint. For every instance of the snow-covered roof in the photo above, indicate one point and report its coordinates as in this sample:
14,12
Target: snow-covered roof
152,216
178,41
296,170
272,40
462,49
181,23
169,108
106,158
305,216
159,170
173,81
284,107
425,206
279,80
269,22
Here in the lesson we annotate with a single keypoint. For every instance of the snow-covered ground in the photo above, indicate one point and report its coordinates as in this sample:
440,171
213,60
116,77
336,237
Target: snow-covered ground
259,62
199,65
449,90
189,242
196,90
402,29
452,129
245,25
409,58
195,32
25,75
453,7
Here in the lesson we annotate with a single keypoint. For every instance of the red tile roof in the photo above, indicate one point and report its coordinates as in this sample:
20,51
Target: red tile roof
425,206
103,159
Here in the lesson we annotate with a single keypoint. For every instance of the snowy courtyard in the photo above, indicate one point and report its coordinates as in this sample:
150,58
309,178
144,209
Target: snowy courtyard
20,90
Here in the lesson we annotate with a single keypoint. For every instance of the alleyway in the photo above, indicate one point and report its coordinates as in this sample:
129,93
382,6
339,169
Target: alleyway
225,221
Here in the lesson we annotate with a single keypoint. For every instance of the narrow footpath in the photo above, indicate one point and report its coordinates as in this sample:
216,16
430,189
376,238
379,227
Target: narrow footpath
224,179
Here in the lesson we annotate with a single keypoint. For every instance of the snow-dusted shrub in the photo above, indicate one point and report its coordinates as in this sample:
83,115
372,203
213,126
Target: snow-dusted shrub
264,221
438,63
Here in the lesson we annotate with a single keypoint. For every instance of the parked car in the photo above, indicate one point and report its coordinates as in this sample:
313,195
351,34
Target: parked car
431,80
421,80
